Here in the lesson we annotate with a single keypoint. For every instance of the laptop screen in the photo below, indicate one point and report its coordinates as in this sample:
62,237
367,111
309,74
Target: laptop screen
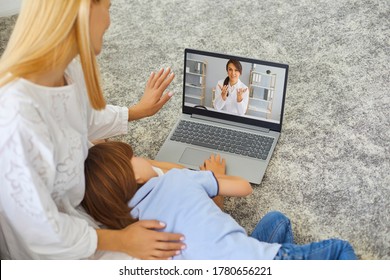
244,90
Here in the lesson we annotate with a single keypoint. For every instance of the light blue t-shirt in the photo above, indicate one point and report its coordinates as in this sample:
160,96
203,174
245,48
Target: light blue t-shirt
181,199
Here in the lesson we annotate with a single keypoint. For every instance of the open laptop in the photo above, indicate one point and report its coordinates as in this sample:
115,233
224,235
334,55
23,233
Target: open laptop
243,130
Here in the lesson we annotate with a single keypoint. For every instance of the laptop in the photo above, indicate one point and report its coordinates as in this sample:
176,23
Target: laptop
239,119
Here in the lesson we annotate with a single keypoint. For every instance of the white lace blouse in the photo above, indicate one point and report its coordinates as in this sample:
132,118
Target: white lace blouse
44,140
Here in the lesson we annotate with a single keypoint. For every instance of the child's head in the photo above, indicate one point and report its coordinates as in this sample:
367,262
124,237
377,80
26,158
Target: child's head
110,184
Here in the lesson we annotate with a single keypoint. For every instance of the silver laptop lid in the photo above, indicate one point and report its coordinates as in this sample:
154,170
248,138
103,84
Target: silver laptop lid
238,89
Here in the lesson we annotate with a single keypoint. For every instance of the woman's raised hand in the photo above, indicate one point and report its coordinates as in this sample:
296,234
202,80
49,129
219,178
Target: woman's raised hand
154,98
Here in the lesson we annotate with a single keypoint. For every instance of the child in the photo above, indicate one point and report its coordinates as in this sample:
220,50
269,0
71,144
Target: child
118,183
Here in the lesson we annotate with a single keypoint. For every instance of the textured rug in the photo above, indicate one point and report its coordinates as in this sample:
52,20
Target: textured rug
330,171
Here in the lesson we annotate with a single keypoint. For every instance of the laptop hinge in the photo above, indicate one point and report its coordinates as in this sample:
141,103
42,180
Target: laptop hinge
241,125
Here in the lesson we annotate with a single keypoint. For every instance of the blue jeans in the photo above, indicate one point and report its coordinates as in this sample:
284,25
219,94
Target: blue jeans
275,227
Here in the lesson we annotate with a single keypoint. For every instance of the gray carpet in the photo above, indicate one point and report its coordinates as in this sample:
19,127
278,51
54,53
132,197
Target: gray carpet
330,171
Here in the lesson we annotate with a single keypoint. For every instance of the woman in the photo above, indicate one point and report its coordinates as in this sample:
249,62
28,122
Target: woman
127,188
51,107
232,95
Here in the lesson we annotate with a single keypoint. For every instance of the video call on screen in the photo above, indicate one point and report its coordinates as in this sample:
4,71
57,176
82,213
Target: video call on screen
262,87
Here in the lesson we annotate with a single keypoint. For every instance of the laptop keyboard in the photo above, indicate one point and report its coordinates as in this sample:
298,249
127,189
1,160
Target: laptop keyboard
223,139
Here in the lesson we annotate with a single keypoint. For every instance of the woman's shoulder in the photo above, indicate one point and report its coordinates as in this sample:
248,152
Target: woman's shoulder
21,115
16,92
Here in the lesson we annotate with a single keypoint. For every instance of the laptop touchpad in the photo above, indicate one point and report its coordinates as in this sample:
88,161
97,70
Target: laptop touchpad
194,157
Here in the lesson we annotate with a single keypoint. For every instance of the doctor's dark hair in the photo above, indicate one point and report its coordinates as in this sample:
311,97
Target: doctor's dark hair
109,184
237,64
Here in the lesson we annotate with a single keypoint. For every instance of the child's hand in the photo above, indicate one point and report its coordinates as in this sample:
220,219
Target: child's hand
216,164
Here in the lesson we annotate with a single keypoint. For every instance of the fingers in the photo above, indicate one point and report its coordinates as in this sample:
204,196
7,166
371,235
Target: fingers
165,80
169,237
163,255
158,76
241,90
214,158
142,240
214,163
168,245
205,164
152,224
153,77
166,250
223,88
161,77
154,98
209,161
162,236
164,99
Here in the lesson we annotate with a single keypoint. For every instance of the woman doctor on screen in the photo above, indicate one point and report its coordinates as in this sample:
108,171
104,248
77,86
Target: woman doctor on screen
232,95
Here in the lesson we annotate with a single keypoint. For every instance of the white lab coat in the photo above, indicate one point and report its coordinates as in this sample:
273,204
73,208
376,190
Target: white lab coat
230,105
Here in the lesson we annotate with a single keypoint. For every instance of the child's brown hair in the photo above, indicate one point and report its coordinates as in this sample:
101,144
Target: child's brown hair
109,184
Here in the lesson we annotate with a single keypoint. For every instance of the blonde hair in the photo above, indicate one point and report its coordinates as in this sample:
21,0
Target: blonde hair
49,33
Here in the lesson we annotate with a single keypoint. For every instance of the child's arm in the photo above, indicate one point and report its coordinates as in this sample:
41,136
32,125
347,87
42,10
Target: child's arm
228,185
233,185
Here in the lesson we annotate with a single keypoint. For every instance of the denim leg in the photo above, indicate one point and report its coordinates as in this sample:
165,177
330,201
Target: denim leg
330,249
274,227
